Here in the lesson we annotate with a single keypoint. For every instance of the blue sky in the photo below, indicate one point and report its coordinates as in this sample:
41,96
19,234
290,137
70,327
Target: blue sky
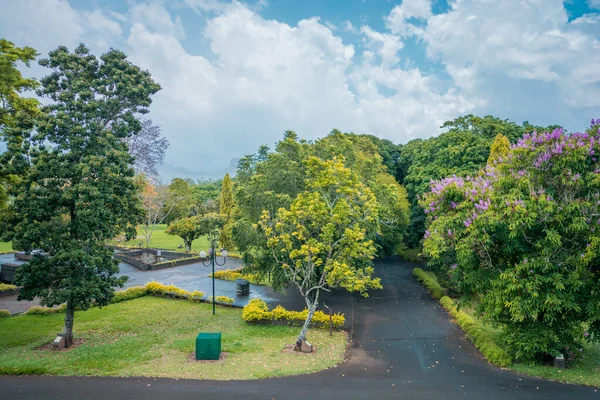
235,75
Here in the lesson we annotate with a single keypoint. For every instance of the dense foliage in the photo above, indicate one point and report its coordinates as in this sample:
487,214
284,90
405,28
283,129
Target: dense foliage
321,241
272,180
522,238
76,188
226,209
460,151
13,106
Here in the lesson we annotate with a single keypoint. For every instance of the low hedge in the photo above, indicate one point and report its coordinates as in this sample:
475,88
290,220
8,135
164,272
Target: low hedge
4,287
38,310
430,281
4,313
238,273
158,289
129,294
222,300
151,288
478,334
257,311
481,335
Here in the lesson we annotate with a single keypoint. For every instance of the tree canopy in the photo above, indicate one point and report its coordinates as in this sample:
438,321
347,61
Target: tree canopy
461,151
322,240
76,188
270,180
521,238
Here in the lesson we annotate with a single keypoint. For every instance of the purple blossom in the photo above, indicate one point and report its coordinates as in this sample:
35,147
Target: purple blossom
454,266
468,222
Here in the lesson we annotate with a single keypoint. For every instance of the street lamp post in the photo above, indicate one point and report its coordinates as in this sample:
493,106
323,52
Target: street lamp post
212,260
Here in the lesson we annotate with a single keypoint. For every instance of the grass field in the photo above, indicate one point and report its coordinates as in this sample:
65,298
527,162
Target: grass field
5,247
161,240
585,370
155,337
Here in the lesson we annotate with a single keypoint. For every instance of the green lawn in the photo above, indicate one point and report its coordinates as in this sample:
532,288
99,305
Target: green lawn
161,240
5,247
154,337
585,370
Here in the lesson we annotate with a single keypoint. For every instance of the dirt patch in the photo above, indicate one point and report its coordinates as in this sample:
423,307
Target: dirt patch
221,360
49,347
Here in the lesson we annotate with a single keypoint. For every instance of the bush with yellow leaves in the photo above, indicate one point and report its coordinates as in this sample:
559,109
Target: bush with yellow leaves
257,311
222,300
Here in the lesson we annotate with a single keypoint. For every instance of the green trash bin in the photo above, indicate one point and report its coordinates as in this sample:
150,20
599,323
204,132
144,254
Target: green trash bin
208,346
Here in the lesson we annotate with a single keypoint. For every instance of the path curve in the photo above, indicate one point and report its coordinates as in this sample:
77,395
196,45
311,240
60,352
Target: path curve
405,347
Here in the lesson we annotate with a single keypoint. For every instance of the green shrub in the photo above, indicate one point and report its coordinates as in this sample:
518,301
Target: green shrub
129,294
479,335
430,281
411,255
222,300
37,310
4,313
257,311
6,287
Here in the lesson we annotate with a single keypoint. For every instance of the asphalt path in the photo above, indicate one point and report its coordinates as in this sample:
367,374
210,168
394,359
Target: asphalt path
404,347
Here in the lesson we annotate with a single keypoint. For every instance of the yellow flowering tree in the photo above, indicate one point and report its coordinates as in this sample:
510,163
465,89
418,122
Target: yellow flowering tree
321,240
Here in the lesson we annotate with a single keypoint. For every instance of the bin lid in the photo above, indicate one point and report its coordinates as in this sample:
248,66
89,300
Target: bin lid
241,282
209,335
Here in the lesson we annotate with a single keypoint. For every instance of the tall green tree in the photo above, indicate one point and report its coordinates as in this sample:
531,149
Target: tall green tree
76,184
271,180
13,105
13,84
180,200
191,228
226,208
499,150
321,241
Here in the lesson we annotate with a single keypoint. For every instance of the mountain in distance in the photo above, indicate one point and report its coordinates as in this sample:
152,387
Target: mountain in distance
168,172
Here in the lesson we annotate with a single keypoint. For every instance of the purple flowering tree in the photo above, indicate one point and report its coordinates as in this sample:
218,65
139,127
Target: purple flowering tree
523,239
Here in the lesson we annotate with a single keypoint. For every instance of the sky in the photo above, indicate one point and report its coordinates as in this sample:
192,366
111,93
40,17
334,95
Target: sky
236,75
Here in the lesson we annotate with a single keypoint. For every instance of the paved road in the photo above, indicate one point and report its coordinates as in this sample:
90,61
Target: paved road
189,277
404,348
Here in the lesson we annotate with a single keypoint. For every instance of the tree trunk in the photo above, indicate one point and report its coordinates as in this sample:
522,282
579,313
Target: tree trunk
312,307
188,246
69,318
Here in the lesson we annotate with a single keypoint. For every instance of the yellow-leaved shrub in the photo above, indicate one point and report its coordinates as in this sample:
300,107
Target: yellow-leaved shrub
158,289
257,311
221,299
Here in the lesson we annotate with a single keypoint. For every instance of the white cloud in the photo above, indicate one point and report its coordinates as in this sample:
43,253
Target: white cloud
255,77
156,18
524,57
398,19
594,4
348,27
386,45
